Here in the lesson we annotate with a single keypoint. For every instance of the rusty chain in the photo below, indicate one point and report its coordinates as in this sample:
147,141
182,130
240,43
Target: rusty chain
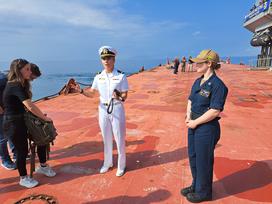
48,199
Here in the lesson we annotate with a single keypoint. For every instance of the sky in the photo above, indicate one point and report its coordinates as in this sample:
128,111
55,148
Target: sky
138,29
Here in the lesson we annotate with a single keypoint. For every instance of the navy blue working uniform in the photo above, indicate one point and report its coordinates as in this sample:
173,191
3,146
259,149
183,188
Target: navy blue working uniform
202,140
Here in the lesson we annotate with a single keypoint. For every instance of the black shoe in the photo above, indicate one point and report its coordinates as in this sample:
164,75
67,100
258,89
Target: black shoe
195,198
186,190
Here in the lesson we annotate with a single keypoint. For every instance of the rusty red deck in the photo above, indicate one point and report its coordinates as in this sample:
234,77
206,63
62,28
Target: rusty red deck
157,160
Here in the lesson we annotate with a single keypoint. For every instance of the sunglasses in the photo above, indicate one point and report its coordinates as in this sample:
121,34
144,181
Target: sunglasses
107,58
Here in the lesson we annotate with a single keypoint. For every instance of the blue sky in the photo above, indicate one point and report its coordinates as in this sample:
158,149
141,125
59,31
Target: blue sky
74,30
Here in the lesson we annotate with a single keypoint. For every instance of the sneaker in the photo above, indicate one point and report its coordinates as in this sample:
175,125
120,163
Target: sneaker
47,171
105,169
28,182
120,172
9,165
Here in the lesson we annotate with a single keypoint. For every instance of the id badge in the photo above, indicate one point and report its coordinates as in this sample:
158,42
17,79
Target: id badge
204,93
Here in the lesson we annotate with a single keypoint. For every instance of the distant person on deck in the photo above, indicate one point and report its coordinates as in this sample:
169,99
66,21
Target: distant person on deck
205,103
176,65
142,69
190,64
112,86
183,64
228,60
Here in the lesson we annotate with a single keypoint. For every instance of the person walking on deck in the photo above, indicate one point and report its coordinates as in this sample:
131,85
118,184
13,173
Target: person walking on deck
190,64
176,65
183,64
112,86
16,99
206,101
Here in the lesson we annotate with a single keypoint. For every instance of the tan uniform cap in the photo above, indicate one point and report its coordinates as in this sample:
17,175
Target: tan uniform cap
206,55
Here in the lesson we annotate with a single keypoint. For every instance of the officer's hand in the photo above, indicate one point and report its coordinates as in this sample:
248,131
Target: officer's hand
192,124
187,119
115,95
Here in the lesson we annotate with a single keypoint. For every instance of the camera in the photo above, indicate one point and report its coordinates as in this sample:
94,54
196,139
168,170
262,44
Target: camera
118,93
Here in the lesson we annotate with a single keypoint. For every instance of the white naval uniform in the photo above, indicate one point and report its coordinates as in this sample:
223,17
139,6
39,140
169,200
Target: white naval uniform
114,123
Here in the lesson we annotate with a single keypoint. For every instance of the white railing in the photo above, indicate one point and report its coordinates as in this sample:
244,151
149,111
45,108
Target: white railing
261,62
257,9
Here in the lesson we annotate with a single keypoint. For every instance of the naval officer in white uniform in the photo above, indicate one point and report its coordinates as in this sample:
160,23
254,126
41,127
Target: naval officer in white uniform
112,86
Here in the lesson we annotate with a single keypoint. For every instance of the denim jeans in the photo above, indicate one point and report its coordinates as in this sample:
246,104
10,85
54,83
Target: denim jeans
15,129
4,153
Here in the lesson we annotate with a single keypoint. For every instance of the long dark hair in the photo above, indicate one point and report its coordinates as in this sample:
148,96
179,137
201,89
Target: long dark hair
15,75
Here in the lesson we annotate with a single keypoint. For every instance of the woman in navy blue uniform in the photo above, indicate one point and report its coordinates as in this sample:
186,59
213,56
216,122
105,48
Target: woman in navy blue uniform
205,103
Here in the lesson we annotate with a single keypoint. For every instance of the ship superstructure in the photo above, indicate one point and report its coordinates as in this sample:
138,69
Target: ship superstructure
259,22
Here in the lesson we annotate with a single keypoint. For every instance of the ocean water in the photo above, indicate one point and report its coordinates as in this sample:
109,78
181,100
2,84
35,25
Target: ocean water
249,60
51,84
55,74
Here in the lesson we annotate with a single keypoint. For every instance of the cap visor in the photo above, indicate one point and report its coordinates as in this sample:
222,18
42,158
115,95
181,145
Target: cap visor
197,60
108,55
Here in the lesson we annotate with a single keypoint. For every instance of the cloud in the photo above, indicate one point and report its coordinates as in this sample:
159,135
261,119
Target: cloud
105,15
71,13
70,29
196,33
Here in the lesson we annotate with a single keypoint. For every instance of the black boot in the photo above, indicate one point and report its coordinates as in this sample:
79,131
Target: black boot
186,190
195,198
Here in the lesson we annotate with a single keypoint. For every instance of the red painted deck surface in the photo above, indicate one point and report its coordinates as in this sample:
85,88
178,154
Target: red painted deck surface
157,159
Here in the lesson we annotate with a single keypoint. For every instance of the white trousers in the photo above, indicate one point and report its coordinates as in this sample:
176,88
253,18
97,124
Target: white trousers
113,124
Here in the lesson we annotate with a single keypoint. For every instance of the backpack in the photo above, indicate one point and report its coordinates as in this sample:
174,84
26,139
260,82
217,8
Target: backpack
39,131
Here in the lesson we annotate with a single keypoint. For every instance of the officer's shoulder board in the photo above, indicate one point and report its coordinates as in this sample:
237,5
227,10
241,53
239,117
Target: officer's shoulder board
120,72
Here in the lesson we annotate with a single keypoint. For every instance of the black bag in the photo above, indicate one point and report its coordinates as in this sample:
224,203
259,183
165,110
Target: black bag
39,131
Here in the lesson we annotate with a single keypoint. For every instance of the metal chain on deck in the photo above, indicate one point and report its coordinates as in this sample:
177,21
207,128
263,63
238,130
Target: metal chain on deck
80,83
46,198
57,94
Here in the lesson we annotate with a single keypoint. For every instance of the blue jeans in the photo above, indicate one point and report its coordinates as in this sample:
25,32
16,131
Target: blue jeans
4,153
